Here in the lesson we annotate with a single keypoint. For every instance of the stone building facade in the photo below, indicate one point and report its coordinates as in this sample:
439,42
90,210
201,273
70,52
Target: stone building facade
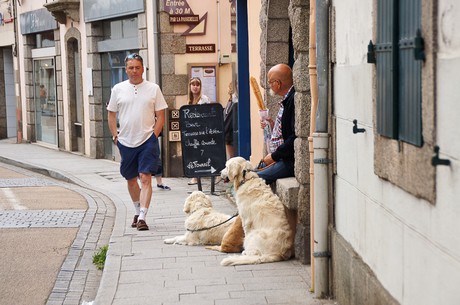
284,39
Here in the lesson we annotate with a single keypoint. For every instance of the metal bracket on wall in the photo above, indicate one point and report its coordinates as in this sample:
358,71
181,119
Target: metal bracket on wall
371,58
322,254
322,161
355,127
435,160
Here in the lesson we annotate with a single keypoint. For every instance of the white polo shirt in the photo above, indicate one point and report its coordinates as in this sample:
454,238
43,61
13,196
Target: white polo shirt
136,106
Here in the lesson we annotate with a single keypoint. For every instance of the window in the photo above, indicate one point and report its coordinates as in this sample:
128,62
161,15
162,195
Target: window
121,28
405,83
45,39
399,57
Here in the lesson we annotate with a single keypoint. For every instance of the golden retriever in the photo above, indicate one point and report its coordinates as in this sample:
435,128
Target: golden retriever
268,235
204,226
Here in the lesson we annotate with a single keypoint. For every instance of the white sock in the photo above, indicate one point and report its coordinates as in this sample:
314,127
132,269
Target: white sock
137,207
143,213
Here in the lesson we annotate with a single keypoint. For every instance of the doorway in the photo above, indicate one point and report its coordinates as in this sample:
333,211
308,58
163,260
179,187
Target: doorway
77,132
45,101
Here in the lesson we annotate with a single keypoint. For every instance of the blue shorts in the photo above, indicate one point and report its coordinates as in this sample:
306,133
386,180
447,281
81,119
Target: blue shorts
141,159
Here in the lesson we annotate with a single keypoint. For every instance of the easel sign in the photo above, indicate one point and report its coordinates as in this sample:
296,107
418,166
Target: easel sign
203,141
208,75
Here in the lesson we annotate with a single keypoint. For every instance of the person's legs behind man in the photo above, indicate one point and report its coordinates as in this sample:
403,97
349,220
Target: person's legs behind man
278,170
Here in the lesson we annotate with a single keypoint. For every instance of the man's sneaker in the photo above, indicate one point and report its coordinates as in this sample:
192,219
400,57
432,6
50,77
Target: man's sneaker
134,224
164,187
141,225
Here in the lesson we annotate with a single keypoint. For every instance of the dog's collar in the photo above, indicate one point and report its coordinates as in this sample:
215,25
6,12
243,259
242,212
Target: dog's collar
244,177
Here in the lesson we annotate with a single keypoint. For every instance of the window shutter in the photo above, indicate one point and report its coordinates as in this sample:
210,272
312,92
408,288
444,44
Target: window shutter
410,70
386,61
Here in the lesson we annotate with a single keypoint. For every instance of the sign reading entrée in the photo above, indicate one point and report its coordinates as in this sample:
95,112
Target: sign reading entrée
202,139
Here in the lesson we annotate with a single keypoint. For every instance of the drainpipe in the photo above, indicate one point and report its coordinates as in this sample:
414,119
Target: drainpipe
314,104
321,251
156,48
219,52
164,147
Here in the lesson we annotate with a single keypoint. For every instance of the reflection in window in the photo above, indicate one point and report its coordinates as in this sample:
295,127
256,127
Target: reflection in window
45,39
122,28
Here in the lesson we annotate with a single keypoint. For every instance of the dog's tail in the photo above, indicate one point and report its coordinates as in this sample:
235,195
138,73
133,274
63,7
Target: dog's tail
215,248
250,259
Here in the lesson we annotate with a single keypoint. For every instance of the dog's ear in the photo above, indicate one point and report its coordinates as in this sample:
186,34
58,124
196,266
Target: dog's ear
187,205
248,167
234,169
238,177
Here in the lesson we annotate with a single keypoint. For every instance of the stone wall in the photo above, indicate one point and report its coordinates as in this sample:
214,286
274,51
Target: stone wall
354,282
285,27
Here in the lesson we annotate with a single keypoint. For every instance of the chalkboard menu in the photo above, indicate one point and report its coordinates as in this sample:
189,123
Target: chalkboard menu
202,139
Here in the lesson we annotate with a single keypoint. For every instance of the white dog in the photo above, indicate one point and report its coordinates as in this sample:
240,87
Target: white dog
268,235
204,225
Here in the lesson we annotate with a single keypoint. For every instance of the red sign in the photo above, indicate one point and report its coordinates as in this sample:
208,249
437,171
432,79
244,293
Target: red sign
177,7
200,48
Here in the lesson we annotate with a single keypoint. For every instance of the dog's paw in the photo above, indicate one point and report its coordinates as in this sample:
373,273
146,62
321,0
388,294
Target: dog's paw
228,261
169,241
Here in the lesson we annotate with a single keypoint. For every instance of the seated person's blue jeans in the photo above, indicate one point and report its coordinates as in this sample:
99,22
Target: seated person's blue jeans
280,169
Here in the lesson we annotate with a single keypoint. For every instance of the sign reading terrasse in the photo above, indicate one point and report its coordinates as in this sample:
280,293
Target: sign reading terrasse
202,139
200,48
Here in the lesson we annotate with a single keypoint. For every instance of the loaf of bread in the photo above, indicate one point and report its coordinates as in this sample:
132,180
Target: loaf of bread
255,88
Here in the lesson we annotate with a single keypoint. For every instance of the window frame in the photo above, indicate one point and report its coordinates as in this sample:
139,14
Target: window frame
403,164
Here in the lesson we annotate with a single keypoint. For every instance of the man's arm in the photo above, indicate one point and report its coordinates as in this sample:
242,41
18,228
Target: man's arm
112,121
160,121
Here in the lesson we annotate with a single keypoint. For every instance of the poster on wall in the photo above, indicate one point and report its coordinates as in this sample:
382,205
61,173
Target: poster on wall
208,76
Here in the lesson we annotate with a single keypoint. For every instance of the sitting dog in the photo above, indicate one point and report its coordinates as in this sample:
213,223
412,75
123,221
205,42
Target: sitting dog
268,235
203,225
233,239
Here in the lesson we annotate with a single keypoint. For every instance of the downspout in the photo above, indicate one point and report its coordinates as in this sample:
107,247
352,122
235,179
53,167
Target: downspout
164,144
156,47
218,33
321,251
314,105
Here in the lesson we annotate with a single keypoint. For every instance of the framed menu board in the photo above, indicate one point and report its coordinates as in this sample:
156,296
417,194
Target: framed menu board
202,139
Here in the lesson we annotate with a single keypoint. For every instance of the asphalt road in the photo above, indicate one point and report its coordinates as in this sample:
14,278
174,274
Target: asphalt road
39,220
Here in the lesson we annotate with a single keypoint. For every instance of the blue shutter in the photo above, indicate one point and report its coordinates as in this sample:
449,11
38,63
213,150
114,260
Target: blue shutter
410,70
386,62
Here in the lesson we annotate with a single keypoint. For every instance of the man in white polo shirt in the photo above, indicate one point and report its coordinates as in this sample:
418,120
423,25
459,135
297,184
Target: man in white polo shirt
141,114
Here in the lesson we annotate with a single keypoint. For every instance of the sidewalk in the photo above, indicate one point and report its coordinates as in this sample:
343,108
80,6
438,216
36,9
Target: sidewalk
140,268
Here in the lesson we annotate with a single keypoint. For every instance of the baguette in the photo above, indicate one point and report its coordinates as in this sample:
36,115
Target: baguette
255,88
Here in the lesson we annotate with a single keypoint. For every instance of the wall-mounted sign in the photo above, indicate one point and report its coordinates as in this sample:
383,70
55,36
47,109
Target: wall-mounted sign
173,125
184,19
106,9
180,12
37,21
174,114
174,136
177,7
200,48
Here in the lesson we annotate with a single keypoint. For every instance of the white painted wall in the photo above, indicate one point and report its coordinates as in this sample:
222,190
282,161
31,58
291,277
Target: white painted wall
412,246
